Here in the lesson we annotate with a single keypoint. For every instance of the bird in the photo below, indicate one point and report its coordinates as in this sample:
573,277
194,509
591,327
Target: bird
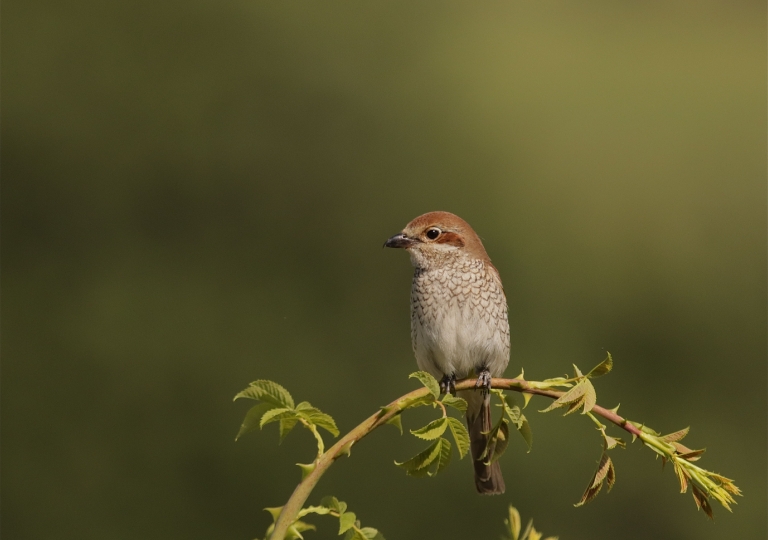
459,321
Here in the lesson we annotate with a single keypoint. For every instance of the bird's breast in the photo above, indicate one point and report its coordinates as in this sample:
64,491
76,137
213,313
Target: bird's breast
459,320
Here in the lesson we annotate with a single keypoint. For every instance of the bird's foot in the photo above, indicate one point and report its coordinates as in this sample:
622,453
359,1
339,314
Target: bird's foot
448,384
484,380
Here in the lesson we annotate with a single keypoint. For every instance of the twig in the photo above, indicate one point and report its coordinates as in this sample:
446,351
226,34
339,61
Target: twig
343,445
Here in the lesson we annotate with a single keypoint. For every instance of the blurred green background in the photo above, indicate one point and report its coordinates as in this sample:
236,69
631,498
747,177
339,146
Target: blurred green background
195,195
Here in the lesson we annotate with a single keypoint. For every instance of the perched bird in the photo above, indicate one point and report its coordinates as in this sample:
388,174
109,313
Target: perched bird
458,320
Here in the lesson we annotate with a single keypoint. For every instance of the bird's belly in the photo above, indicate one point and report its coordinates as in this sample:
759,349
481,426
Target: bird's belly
458,340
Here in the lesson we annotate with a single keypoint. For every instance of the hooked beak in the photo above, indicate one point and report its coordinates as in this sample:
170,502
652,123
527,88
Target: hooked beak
400,240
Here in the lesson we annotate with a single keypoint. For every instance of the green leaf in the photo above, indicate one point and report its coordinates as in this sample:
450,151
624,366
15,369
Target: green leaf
269,392
577,371
525,431
321,510
444,458
513,523
315,416
455,402
334,504
460,435
396,421
518,419
433,430
612,442
427,380
252,418
286,425
346,521
590,398
411,403
354,534
574,395
295,530
602,368
273,415
499,441
422,460
372,534
527,531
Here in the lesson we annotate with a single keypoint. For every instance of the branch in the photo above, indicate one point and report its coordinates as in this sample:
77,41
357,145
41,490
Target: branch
295,503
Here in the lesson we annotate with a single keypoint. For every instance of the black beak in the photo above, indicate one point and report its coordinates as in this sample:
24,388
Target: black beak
400,240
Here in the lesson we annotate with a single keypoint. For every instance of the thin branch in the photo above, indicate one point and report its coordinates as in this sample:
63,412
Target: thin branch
343,445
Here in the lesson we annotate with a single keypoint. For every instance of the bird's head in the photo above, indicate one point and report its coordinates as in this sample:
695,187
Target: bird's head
438,238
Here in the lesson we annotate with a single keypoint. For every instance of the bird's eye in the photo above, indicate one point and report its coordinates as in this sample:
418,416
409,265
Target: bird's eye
433,233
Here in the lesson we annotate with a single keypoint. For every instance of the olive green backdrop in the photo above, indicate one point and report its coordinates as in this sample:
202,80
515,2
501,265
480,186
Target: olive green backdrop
195,195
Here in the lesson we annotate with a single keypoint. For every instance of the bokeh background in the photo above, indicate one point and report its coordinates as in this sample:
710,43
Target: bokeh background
195,195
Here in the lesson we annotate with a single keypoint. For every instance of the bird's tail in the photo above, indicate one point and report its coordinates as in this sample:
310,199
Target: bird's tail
488,479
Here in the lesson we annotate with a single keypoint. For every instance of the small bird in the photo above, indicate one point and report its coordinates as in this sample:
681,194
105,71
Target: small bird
458,321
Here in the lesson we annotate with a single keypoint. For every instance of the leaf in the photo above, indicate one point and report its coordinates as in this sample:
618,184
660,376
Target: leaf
602,368
396,421
295,530
321,510
513,523
605,474
433,430
455,402
372,534
334,504
554,381
533,534
315,416
612,442
427,380
301,526
421,460
574,395
460,435
702,501
518,419
273,415
346,521
590,398
286,425
412,403
268,391
444,458
354,534
577,370
676,436
527,530
499,441
693,455
252,418
525,431
682,476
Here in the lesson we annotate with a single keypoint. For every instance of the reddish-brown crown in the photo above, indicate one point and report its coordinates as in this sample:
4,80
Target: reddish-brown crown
453,230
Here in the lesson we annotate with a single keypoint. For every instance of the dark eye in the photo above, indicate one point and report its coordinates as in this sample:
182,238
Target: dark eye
433,233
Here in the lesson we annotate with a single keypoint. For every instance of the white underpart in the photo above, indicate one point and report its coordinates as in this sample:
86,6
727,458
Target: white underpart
459,319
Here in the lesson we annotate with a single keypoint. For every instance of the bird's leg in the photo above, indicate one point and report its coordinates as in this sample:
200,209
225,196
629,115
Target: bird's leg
483,380
448,384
